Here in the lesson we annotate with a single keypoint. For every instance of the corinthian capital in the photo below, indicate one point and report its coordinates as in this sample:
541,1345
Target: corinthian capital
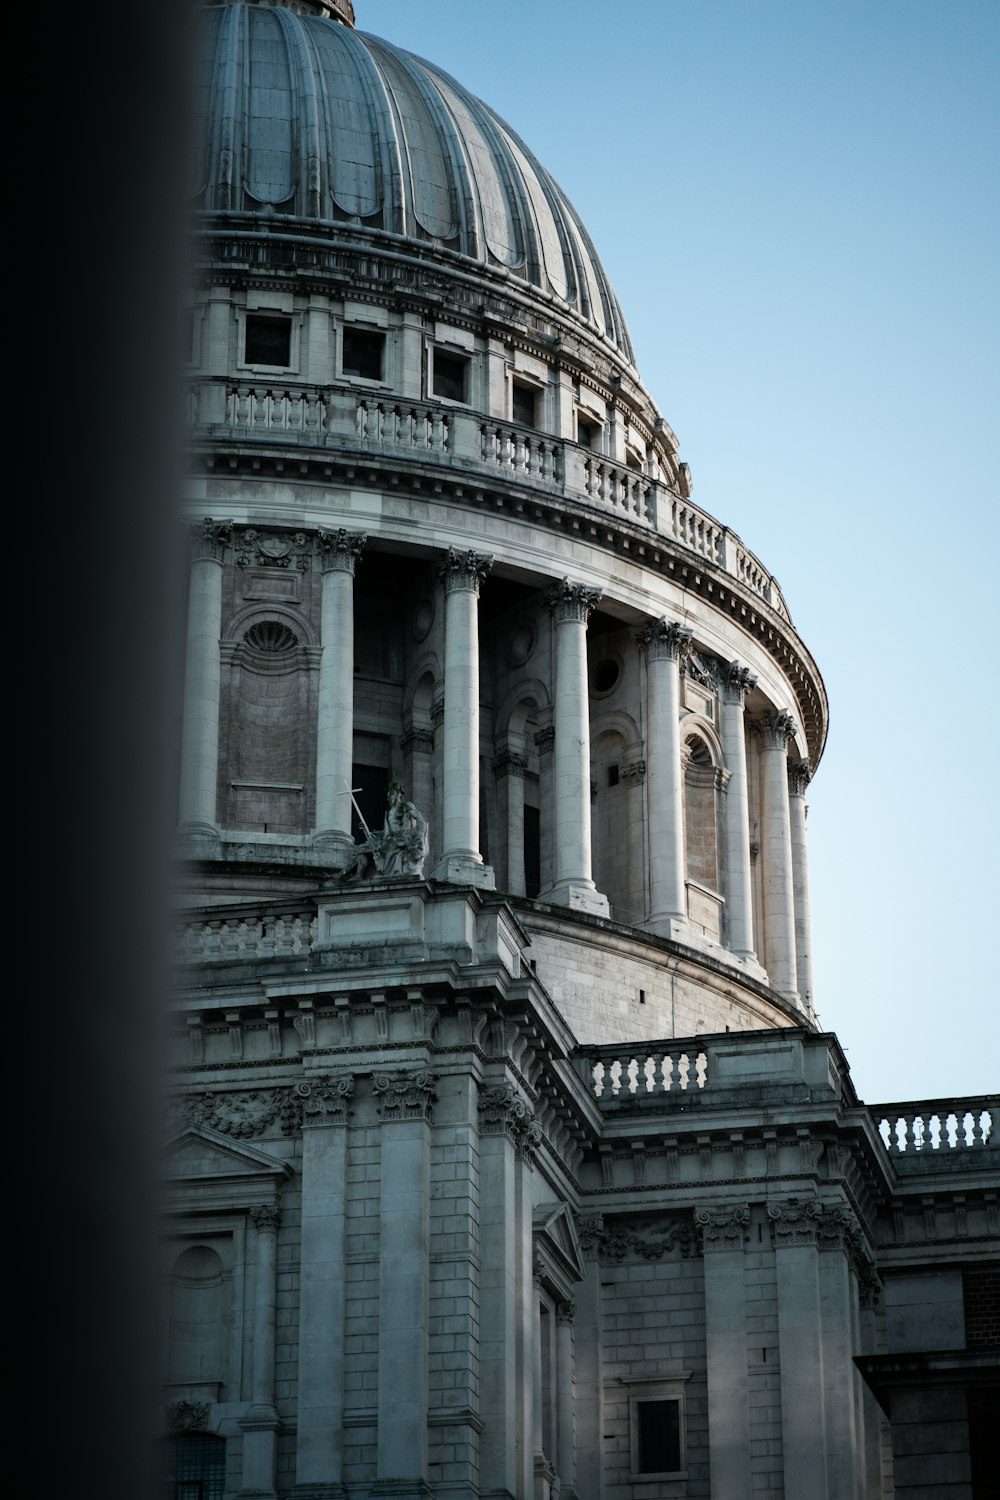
723,1228
572,601
777,730
209,539
464,570
339,550
737,681
799,777
665,640
404,1096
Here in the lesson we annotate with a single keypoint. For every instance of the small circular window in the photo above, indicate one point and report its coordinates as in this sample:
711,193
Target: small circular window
606,674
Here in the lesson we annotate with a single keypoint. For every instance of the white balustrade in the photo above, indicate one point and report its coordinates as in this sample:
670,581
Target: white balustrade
935,1124
258,409
520,453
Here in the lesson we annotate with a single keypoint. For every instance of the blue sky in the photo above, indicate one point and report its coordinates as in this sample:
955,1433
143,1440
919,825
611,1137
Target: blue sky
798,206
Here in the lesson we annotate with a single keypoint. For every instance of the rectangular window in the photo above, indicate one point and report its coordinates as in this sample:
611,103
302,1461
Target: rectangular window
524,403
659,1436
363,353
451,374
586,433
268,340
372,783
532,851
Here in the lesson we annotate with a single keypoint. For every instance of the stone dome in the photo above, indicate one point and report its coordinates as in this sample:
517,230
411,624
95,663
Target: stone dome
305,117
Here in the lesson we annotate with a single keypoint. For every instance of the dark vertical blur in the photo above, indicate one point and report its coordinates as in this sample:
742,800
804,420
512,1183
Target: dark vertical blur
104,289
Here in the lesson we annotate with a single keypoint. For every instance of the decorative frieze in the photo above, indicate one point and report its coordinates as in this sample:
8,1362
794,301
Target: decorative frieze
776,730
702,669
799,777
665,640
339,550
573,602
273,549
187,1416
464,570
266,1217
736,681
611,1242
725,1228
634,773
503,1111
324,1101
209,539
240,1114
404,1096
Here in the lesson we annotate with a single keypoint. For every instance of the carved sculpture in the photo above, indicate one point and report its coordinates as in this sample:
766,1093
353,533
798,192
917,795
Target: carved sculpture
400,849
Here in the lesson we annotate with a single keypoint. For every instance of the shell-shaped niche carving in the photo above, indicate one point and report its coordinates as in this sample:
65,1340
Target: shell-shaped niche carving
271,636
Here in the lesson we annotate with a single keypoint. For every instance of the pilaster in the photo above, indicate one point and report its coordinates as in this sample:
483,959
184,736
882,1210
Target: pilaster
800,1346
339,552
778,882
202,678
260,1424
724,1232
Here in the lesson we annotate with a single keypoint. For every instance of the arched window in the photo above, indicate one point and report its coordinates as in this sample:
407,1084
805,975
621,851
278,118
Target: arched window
701,837
268,711
195,1467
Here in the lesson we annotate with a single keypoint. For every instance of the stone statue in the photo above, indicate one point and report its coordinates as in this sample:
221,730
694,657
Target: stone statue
400,848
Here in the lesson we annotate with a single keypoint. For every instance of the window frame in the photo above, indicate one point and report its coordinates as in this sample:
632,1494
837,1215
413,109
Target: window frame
667,1388
457,357
366,333
292,318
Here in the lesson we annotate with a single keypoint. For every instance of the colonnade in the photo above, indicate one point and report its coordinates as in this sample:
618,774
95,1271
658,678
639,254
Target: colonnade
783,887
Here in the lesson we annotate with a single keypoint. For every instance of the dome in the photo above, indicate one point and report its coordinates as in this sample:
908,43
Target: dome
303,116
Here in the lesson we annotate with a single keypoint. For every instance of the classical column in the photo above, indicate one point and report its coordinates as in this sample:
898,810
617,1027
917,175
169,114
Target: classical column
798,779
260,1425
666,644
461,861
724,1236
319,1457
510,768
735,683
202,678
338,551
404,1102
565,1456
573,885
776,853
800,1347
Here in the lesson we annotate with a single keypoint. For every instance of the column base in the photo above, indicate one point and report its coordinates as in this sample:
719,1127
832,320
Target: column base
337,848
465,869
668,925
192,831
578,897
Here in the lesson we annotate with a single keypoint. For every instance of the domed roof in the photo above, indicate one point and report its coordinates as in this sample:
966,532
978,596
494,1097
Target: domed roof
304,116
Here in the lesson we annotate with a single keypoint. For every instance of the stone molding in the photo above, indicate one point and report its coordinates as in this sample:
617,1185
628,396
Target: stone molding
187,1416
265,1216
209,539
545,740
776,731
610,1243
736,681
324,1101
240,1114
404,1096
339,550
634,773
273,549
464,570
502,1111
572,603
509,763
725,1228
417,741
799,777
566,1311
665,640
702,669
437,713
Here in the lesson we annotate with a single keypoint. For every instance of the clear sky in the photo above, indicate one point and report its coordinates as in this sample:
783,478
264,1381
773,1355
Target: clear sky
797,203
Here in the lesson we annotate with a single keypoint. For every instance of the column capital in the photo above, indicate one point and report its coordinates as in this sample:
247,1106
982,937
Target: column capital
736,681
464,570
724,1228
404,1096
509,763
573,602
795,1221
545,740
776,730
799,777
339,550
325,1101
416,740
504,1112
208,539
266,1216
665,640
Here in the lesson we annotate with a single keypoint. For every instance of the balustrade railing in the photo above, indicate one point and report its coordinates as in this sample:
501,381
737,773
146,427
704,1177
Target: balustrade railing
259,409
629,1073
402,424
521,453
936,1125
246,938
620,488
694,529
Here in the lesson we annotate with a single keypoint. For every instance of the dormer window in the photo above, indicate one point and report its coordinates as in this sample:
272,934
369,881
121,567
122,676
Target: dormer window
268,340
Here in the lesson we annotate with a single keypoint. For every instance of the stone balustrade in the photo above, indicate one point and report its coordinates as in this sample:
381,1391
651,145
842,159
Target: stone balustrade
334,416
239,938
631,1073
937,1125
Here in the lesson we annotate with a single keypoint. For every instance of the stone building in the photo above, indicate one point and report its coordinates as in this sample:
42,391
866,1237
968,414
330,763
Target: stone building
507,1156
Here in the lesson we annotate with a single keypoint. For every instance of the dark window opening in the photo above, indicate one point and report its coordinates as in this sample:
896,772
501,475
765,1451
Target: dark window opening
372,783
195,1467
612,776
659,1436
268,341
363,353
523,404
586,433
532,851
633,461
606,673
450,372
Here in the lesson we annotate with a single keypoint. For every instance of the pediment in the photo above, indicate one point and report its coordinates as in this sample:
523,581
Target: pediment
556,1240
198,1153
